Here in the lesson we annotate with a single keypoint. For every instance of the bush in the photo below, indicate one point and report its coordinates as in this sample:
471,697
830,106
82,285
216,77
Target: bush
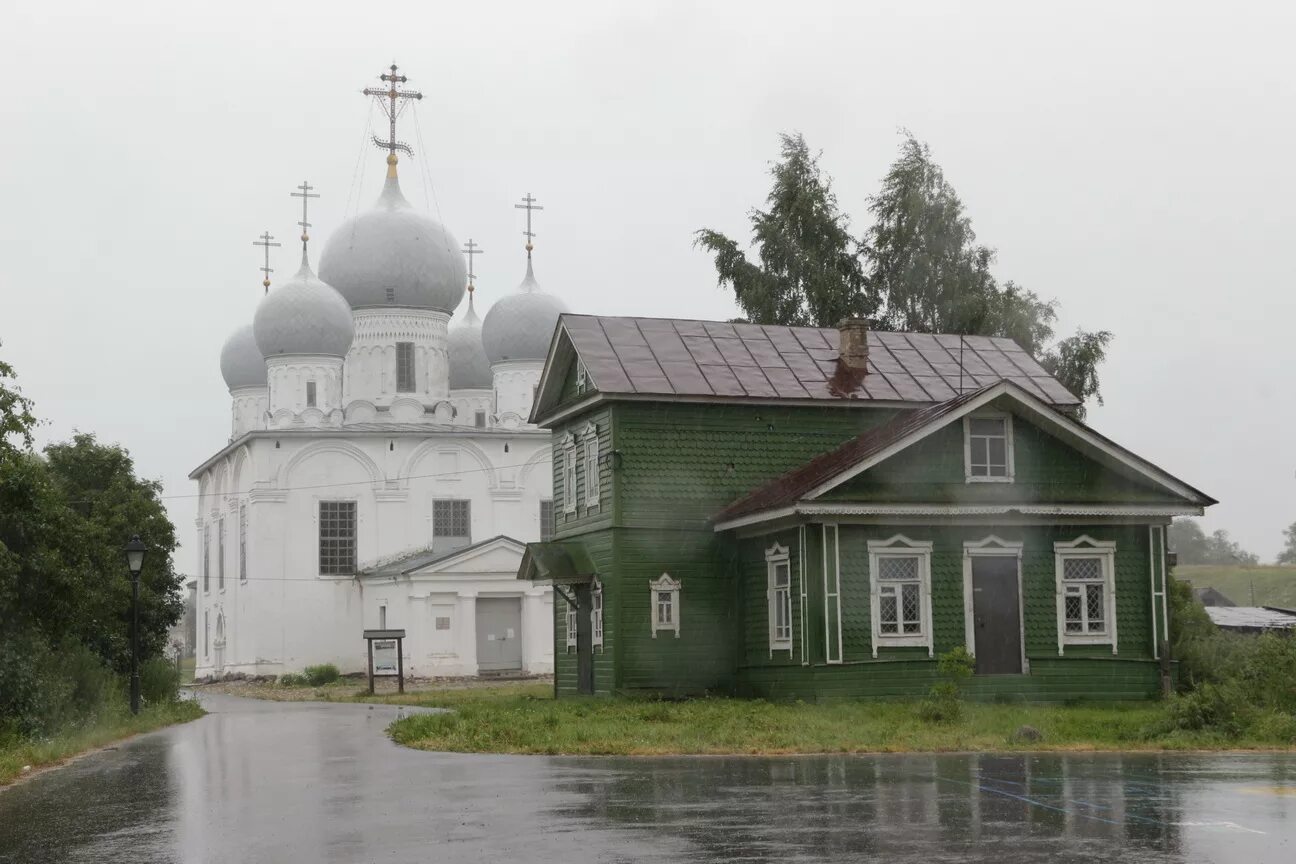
159,681
45,688
942,704
318,676
1220,708
291,679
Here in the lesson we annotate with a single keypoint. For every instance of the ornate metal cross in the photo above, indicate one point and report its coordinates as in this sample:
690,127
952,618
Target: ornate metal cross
392,108
305,194
528,204
266,240
470,249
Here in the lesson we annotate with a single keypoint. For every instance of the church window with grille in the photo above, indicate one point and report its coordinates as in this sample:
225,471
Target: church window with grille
451,524
546,520
337,538
405,367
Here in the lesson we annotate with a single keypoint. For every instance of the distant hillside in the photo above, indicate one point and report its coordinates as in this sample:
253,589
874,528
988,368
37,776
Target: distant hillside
1274,586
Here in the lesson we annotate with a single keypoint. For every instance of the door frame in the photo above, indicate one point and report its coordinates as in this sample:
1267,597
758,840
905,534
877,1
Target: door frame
992,547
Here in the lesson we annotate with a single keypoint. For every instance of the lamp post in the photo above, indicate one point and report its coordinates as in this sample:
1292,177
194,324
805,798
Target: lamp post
135,550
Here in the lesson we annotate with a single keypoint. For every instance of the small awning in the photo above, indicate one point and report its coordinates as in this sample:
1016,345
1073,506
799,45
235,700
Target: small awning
556,563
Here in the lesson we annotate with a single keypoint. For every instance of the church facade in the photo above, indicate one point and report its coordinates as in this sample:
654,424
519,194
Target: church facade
380,472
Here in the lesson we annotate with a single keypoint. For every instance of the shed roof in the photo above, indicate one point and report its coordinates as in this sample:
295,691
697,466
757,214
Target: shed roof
417,560
680,357
1251,617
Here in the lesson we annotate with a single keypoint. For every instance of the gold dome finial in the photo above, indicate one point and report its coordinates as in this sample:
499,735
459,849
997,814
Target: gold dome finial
528,204
266,240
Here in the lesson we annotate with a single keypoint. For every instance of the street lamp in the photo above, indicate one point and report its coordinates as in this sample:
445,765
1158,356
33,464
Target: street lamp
135,550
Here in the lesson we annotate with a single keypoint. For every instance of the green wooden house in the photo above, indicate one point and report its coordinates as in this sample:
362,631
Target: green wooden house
795,512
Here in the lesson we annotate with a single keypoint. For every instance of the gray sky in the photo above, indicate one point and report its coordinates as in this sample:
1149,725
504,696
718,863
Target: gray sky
1133,161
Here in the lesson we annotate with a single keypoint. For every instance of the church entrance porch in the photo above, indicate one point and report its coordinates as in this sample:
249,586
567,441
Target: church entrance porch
499,634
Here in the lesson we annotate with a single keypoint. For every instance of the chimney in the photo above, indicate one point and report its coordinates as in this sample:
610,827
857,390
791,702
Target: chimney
853,350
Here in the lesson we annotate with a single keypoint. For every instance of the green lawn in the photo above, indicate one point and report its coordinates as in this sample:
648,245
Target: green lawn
524,717
17,753
1274,586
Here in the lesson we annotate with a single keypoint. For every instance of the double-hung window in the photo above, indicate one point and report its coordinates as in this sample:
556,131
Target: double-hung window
592,490
988,448
337,538
572,624
665,599
900,593
778,593
569,473
405,367
1086,593
596,614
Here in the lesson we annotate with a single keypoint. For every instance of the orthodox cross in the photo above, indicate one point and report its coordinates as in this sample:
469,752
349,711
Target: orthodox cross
305,194
266,240
528,204
392,108
470,249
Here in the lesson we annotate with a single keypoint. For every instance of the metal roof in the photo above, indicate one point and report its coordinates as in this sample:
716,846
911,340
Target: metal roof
408,563
1251,618
668,356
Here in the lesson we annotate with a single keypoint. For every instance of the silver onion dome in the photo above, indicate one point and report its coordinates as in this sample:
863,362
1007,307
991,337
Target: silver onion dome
519,326
303,316
393,255
469,366
241,362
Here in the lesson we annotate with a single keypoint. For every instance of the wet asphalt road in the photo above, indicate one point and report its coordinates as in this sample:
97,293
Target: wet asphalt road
282,782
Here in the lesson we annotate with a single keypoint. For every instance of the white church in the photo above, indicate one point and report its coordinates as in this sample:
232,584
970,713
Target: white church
380,472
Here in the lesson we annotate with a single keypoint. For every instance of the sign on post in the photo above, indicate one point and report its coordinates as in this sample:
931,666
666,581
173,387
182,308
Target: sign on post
385,656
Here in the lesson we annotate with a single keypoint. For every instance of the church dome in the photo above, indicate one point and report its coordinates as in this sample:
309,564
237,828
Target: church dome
393,255
469,366
241,362
303,316
519,326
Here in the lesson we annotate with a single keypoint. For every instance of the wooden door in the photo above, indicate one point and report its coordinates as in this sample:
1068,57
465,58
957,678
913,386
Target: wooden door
996,615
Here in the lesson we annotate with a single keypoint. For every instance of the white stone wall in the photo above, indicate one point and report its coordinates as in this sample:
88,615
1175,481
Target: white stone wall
248,409
371,363
288,377
515,383
284,615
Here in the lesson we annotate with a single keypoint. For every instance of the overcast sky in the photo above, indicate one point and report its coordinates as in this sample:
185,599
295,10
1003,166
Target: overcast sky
1132,161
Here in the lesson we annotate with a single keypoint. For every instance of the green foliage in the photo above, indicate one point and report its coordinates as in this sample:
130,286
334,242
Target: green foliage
291,679
16,418
943,704
159,681
1288,554
918,267
1190,542
1218,707
810,270
318,676
43,690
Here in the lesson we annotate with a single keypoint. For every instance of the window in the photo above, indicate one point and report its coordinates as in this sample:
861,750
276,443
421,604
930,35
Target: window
243,571
391,295
900,591
337,538
206,556
582,378
569,473
596,614
310,394
571,629
443,622
592,490
451,524
665,593
546,520
220,554
987,449
382,617
404,367
779,597
206,632
479,419
1086,593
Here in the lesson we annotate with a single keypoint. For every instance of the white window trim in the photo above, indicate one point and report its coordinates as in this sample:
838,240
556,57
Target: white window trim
832,594
1008,446
571,629
582,378
901,545
665,583
593,490
596,614
801,588
994,547
569,473
775,556
1085,546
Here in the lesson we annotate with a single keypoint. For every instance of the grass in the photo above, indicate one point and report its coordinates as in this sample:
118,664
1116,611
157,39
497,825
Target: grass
524,717
1274,585
17,753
